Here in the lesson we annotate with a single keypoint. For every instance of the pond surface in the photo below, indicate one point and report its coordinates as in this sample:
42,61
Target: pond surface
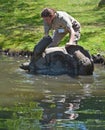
42,102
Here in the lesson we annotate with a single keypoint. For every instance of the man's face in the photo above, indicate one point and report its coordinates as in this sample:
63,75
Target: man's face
48,19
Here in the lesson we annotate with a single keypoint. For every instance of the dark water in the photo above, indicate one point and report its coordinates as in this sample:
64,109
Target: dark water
39,102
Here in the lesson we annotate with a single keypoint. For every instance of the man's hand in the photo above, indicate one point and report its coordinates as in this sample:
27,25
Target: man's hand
69,44
46,36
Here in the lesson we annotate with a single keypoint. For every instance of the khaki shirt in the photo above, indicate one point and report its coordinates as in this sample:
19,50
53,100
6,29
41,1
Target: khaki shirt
61,21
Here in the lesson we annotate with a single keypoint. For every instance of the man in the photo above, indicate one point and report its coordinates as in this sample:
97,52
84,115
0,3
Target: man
62,24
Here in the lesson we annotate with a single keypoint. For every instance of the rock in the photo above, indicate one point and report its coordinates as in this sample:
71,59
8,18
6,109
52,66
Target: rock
98,59
101,3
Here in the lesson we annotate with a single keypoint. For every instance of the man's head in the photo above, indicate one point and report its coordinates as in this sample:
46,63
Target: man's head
48,14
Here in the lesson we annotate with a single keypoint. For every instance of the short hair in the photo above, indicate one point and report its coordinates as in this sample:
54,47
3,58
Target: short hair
48,12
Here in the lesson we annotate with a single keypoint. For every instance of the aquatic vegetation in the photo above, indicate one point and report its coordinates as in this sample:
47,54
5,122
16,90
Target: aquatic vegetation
23,116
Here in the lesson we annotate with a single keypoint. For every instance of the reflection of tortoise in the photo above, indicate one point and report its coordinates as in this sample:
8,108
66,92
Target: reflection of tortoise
72,60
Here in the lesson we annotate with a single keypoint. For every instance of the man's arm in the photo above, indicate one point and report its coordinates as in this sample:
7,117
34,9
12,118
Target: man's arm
46,29
71,37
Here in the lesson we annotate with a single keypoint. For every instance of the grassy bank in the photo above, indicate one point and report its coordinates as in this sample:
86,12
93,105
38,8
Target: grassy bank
21,26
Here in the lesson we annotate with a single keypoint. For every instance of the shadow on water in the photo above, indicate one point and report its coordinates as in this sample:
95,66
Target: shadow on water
39,102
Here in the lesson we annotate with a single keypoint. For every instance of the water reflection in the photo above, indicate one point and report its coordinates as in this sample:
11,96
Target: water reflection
60,109
66,102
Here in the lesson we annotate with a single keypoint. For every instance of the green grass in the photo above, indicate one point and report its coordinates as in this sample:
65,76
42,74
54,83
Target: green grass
21,26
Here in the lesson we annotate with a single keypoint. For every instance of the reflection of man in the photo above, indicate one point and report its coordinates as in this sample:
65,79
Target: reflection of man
56,116
63,24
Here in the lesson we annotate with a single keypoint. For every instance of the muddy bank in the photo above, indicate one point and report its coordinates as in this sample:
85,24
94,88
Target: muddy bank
97,58
21,53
